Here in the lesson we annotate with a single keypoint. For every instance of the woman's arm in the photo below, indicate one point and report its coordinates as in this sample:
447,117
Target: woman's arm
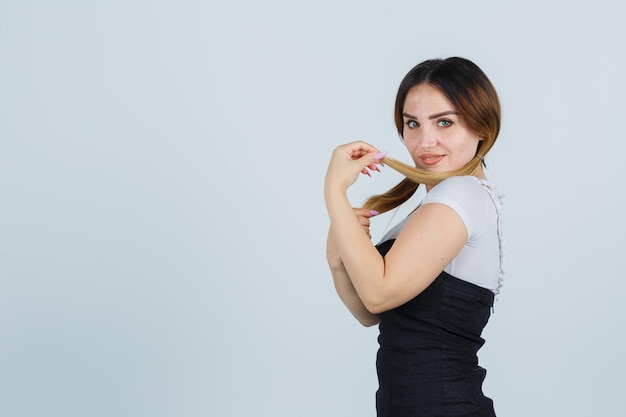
346,291
433,236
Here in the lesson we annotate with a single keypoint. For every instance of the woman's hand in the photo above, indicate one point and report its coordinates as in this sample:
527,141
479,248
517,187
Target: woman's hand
348,161
363,215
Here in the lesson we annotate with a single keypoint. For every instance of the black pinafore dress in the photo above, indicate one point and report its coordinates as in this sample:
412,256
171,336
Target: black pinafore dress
427,361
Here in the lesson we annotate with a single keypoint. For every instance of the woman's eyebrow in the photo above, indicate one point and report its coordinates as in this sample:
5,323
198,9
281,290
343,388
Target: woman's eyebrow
434,116
445,113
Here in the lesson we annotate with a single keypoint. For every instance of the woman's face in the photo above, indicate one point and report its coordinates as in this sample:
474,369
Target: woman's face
434,133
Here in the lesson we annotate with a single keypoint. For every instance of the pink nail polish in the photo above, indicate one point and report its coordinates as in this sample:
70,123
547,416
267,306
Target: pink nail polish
380,155
374,213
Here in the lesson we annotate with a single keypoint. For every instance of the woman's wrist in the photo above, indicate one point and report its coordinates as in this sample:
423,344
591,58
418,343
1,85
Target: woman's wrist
334,191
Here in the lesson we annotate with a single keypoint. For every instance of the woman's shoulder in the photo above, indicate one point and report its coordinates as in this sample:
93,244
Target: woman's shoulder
459,186
472,198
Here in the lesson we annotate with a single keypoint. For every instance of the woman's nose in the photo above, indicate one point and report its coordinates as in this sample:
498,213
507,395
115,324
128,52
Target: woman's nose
429,140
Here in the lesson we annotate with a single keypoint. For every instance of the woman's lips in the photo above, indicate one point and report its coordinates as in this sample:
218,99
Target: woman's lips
430,159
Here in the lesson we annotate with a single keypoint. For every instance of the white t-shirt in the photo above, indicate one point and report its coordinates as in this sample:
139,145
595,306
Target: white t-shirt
479,206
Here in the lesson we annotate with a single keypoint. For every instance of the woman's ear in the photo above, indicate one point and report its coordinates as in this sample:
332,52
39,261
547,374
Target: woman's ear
482,159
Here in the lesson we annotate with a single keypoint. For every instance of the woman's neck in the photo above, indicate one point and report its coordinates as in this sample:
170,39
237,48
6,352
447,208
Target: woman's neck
479,173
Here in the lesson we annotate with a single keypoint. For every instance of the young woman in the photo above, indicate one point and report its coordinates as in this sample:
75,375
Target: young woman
430,283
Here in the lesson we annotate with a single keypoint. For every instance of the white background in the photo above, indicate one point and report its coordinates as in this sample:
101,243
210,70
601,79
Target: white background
162,225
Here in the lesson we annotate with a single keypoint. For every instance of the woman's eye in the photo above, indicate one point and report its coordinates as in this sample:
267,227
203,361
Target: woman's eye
444,123
412,124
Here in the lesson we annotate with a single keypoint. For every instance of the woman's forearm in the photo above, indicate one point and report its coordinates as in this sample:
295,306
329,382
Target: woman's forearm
365,267
363,264
344,287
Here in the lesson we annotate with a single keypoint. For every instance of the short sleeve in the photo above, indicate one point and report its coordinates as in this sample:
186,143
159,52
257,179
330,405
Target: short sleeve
464,195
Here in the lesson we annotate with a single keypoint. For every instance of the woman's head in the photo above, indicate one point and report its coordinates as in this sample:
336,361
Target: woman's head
467,88
473,97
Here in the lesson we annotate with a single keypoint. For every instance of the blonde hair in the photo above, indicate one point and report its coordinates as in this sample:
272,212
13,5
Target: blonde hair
471,93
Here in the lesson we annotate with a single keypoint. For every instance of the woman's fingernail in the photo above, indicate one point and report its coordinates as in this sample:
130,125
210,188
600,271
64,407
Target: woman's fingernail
374,213
380,155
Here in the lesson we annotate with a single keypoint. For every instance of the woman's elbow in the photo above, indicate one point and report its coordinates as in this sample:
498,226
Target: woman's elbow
369,321
375,306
